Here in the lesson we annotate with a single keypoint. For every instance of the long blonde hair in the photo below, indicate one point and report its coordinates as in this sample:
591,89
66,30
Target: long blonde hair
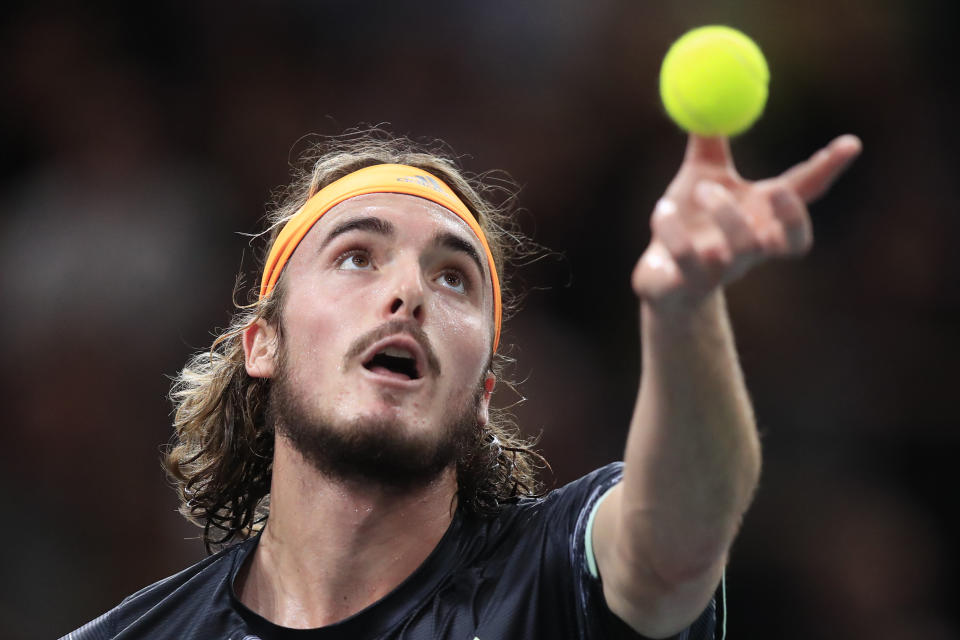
221,458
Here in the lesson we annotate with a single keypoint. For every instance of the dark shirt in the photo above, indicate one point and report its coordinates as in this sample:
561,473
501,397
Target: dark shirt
523,574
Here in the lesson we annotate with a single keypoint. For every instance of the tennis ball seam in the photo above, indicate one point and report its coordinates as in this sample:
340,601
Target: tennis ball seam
750,67
689,111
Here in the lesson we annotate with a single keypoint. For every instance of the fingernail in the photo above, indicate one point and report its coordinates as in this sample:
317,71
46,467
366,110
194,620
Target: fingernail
850,140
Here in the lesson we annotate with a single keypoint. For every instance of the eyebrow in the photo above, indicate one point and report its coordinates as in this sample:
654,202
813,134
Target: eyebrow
369,224
454,242
379,226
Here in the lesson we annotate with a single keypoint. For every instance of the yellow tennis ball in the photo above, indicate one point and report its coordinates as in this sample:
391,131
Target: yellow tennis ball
713,81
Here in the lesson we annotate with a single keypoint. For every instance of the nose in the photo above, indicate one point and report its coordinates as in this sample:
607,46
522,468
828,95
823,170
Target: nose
406,299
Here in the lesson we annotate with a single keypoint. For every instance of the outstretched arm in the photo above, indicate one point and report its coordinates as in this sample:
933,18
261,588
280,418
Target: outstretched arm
692,459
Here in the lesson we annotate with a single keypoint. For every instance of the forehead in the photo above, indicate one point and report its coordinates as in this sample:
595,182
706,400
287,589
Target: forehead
410,216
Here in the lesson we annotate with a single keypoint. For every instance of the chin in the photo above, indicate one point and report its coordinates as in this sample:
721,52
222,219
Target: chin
381,448
372,451
392,444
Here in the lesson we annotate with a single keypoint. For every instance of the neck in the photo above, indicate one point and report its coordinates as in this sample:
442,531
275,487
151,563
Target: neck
332,548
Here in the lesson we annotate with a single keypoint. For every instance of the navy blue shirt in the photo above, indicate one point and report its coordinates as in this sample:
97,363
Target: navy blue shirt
523,574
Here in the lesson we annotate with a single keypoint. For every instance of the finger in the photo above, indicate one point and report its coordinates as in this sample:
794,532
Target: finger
792,214
811,179
728,216
669,228
656,273
711,151
701,253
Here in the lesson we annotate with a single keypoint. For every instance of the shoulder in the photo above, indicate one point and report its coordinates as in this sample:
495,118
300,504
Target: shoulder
545,533
576,499
534,556
587,487
179,597
551,566
211,570
560,508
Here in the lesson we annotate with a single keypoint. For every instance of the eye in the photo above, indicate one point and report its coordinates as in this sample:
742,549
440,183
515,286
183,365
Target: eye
354,260
453,280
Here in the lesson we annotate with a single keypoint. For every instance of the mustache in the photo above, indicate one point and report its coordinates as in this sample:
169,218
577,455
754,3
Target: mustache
393,327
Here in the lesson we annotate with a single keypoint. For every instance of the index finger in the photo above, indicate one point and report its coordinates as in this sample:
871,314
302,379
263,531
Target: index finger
811,178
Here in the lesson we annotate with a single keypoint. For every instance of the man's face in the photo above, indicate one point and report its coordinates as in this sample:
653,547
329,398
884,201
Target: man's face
387,326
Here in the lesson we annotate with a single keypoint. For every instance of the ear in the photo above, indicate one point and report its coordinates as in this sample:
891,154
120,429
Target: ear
483,412
259,348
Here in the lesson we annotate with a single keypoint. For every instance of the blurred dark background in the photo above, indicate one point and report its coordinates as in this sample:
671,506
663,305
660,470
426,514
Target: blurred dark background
139,138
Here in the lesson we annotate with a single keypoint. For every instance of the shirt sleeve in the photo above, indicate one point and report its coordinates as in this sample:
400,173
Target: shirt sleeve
583,498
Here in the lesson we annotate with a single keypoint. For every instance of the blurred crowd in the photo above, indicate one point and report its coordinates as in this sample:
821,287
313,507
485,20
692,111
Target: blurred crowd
141,141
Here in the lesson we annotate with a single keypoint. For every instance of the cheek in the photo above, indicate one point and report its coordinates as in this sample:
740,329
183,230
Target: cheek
467,338
312,330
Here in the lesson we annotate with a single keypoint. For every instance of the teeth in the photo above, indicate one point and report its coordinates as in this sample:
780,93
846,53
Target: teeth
397,352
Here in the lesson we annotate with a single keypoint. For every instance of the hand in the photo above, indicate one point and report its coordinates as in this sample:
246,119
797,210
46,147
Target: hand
711,226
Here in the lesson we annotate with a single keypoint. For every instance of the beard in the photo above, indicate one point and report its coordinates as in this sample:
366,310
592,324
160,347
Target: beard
369,450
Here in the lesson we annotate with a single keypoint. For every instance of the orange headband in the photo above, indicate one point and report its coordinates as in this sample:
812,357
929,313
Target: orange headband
379,178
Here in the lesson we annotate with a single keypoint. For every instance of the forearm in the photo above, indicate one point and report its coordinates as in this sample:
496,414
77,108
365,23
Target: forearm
692,455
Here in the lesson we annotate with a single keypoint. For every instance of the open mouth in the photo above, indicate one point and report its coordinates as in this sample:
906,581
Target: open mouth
394,361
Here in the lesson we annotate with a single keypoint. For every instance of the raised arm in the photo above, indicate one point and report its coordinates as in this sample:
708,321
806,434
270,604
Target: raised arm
692,460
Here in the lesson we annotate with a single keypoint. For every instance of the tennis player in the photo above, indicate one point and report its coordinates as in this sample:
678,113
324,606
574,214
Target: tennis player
338,447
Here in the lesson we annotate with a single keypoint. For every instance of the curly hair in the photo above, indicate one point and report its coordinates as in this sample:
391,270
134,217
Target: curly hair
221,457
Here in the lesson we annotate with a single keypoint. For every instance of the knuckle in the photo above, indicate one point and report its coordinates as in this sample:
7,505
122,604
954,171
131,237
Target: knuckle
744,239
750,244
683,251
657,222
779,245
793,217
787,206
734,222
664,210
716,257
730,215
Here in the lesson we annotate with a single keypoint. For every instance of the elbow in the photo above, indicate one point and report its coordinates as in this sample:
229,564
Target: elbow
658,602
691,564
